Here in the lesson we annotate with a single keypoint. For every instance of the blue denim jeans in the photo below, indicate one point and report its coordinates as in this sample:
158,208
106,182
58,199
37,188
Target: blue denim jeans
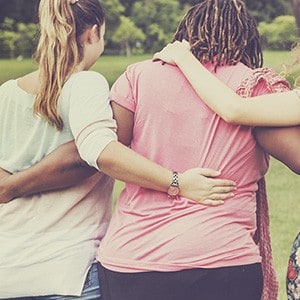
91,289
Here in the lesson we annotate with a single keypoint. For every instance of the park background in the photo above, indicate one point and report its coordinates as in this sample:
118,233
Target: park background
138,28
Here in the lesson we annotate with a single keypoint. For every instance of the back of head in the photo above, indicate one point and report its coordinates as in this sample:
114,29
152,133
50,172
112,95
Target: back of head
59,50
222,32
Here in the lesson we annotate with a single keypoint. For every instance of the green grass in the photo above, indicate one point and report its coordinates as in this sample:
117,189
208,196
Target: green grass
282,185
110,66
276,59
12,68
113,66
283,188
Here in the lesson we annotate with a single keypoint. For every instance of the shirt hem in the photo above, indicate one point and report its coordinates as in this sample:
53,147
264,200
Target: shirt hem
129,266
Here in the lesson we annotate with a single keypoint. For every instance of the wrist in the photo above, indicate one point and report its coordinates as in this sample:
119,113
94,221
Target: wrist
174,190
7,190
181,55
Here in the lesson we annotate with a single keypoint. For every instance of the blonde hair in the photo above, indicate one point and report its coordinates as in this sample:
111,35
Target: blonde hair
59,51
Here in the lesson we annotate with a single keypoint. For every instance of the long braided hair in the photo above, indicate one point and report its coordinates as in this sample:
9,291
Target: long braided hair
222,32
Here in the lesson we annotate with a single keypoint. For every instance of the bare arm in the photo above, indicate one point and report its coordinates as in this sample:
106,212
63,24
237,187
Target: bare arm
60,169
281,143
122,163
281,109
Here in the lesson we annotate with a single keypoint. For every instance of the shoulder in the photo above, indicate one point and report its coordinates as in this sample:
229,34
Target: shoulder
82,75
87,79
144,66
264,78
8,84
149,70
231,75
85,87
238,71
140,65
8,88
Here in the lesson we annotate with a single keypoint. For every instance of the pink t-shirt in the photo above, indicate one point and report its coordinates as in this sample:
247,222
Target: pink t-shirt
172,126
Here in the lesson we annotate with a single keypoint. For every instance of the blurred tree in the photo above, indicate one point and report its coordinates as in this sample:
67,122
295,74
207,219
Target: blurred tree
267,10
296,11
262,10
28,39
158,19
188,2
8,41
20,10
280,34
128,6
128,36
113,11
17,39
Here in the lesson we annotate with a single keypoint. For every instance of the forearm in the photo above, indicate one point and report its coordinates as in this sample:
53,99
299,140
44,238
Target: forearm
4,174
263,110
123,164
197,184
60,169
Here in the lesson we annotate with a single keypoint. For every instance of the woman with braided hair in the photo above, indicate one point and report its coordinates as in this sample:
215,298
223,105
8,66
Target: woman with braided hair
223,32
174,251
280,110
49,239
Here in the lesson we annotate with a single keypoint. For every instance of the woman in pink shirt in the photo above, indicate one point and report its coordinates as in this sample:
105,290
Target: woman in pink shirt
281,109
160,247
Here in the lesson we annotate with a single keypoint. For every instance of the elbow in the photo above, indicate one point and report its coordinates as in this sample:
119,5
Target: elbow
228,119
295,166
105,164
108,158
231,115
292,162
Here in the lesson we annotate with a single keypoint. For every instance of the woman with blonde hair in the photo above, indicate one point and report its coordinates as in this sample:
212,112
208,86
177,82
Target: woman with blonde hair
48,240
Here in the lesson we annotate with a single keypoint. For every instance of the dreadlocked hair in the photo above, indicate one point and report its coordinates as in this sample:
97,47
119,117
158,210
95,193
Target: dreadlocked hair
221,32
59,50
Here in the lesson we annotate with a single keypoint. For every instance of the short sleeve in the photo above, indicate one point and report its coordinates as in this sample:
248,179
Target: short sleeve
90,115
123,91
263,81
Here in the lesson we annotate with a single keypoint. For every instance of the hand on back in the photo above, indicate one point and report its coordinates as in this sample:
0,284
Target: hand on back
200,185
170,53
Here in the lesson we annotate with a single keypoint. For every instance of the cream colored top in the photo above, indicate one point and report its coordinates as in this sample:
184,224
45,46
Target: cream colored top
48,241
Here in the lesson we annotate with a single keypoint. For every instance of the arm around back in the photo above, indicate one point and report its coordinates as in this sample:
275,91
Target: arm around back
263,110
122,163
60,169
283,143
